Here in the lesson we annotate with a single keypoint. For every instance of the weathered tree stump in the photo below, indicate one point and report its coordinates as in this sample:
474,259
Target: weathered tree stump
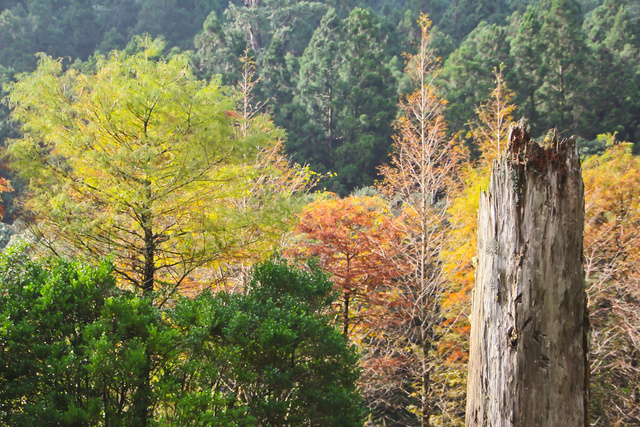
528,353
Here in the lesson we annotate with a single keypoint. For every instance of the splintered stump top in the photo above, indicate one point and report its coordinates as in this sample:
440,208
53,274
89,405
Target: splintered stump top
528,351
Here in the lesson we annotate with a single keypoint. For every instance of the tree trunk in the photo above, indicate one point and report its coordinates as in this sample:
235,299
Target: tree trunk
345,314
528,352
330,125
149,269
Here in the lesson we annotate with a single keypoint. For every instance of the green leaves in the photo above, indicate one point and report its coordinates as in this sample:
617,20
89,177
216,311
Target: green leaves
268,357
75,349
43,350
348,92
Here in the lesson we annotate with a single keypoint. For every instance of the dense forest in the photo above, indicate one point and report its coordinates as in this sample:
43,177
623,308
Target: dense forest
264,212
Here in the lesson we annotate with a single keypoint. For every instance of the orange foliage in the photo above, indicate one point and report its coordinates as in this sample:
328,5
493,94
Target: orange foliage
422,177
353,240
612,268
5,186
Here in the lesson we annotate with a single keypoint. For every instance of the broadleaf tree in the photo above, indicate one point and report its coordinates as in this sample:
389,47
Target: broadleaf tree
73,347
266,357
75,350
354,240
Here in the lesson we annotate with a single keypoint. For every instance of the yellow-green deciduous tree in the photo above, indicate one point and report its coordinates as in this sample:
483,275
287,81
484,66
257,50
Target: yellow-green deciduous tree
143,161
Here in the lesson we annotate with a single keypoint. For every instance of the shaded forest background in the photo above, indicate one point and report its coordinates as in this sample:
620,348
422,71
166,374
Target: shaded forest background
329,74
332,80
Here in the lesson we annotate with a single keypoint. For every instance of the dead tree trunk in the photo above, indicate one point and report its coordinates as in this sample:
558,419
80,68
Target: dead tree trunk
528,352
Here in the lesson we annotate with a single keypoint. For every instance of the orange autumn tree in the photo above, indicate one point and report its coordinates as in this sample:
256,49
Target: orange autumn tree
353,241
421,178
612,273
5,186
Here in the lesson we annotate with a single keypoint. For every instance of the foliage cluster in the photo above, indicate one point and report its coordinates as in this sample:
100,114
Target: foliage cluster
612,217
143,161
74,350
569,69
144,156
329,71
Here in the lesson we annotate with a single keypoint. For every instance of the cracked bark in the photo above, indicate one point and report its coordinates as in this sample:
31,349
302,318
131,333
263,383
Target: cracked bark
528,351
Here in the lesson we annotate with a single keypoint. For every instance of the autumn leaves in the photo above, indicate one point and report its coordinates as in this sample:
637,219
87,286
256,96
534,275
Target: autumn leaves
143,162
388,252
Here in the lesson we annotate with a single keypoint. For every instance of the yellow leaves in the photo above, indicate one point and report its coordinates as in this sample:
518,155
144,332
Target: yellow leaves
142,154
150,48
425,23
612,180
464,211
612,209
611,260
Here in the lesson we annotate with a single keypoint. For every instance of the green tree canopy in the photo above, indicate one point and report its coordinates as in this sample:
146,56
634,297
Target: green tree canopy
613,38
467,77
550,65
269,357
72,345
347,89
77,350
317,86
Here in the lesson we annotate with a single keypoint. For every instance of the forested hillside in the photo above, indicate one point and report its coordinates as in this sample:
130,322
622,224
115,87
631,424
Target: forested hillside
184,141
330,73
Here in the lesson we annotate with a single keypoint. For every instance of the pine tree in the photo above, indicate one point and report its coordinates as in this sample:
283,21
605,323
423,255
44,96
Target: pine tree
551,62
467,76
346,88
614,92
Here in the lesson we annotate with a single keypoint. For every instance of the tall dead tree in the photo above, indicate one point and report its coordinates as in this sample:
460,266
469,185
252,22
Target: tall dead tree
528,353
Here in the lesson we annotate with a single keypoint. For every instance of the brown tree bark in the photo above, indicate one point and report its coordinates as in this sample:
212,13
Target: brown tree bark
528,352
